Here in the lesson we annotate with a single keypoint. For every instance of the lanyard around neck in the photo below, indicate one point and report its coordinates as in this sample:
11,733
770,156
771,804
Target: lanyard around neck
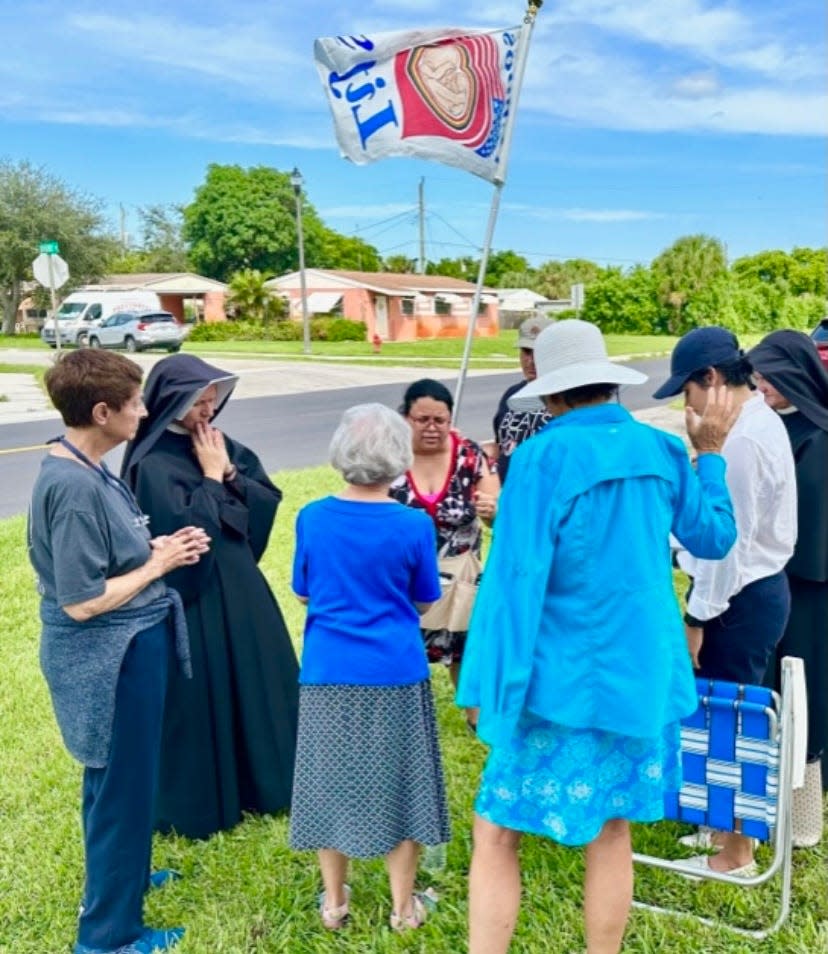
141,520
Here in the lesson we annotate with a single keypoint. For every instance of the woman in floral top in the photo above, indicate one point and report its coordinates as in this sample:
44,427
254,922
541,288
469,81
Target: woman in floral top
450,479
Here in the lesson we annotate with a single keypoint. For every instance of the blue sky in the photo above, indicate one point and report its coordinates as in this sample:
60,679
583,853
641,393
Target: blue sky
640,120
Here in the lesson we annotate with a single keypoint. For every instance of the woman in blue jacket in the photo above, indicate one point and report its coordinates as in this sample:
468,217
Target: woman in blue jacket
576,653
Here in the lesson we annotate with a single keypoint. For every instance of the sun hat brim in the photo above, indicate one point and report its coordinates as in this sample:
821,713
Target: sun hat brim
574,376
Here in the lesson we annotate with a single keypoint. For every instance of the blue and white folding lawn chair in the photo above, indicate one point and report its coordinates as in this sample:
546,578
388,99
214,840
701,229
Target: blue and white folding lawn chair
738,766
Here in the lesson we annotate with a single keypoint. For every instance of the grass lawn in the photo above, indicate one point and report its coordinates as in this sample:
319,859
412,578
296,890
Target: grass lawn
245,892
32,342
37,370
497,352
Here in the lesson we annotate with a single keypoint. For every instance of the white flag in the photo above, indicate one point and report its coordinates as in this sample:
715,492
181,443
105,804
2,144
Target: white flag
443,94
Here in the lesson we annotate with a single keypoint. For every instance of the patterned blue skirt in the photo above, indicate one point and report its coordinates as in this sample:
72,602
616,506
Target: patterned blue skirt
565,783
368,770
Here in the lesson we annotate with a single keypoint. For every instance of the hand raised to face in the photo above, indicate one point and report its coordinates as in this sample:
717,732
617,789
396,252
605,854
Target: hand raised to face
707,432
211,451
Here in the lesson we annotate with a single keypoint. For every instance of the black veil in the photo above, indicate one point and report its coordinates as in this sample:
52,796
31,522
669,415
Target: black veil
173,386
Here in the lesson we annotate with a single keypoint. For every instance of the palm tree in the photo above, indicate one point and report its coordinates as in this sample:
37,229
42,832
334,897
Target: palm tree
690,264
251,299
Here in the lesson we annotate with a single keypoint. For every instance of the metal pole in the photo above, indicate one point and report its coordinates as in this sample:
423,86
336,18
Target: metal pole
421,203
306,345
475,305
520,67
54,305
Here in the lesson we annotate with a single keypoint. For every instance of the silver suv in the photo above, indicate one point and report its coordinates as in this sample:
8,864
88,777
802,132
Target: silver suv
137,331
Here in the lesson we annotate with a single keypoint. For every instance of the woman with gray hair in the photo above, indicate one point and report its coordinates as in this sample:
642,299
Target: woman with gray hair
369,778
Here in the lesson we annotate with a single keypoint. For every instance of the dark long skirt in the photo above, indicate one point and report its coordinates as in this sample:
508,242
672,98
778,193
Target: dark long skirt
368,770
806,636
229,738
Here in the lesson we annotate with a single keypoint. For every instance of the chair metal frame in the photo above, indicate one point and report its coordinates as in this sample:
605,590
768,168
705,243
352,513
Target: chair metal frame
777,829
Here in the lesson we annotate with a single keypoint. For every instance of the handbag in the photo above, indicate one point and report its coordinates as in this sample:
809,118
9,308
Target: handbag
459,578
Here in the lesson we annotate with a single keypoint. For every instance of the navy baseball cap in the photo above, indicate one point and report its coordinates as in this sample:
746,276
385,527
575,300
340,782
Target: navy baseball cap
699,349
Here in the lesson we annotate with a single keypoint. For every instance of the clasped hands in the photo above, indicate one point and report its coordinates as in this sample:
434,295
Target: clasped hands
211,453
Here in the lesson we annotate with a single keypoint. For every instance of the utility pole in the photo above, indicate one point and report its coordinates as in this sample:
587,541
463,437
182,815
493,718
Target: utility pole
421,193
123,226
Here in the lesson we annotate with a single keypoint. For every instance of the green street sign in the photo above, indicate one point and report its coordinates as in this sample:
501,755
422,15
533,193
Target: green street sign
49,248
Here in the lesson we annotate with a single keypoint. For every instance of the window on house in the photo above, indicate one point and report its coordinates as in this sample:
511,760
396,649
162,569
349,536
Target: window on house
442,307
407,307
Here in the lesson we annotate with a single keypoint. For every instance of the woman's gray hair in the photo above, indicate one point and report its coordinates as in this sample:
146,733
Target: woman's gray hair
372,445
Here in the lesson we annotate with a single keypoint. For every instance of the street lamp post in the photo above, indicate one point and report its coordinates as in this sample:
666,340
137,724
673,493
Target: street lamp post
296,181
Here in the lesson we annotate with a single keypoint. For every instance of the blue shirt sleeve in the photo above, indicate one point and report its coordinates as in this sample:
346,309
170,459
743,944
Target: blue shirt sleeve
704,523
299,582
425,579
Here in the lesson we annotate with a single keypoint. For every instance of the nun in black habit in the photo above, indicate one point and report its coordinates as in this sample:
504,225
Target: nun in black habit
791,376
229,732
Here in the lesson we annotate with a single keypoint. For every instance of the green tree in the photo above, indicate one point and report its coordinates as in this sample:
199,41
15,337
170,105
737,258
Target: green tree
400,264
682,270
162,247
628,303
246,218
465,268
810,272
802,272
733,304
250,298
347,252
34,205
501,263
555,279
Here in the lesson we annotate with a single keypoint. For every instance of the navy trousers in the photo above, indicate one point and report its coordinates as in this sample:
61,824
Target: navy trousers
739,645
119,799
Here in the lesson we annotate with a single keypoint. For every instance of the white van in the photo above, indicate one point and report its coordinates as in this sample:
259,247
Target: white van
82,310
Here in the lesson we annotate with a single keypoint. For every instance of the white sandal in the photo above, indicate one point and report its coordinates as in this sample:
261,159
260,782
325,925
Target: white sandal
410,922
333,919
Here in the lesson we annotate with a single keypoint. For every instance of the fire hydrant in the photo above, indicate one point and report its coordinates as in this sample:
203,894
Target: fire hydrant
376,341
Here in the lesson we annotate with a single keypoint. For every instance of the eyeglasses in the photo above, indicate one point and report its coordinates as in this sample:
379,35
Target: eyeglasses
423,420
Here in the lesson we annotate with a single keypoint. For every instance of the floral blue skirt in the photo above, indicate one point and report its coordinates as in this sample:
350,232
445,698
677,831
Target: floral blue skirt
565,783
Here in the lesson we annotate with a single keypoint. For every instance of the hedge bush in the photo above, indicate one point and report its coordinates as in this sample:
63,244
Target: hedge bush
321,329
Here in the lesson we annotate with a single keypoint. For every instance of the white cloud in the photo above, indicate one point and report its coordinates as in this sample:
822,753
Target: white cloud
376,211
608,215
244,73
612,89
249,56
697,85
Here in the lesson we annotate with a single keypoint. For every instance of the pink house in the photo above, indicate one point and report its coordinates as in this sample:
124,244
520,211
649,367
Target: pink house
174,288
395,307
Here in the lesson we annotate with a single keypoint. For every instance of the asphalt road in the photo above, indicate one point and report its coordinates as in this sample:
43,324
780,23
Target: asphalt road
286,431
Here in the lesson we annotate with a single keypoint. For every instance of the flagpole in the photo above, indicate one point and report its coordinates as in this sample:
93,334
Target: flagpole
520,67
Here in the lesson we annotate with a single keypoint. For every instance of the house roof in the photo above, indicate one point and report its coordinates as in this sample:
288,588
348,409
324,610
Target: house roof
173,283
389,283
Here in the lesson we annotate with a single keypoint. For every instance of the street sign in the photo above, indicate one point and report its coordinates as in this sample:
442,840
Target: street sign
50,270
48,248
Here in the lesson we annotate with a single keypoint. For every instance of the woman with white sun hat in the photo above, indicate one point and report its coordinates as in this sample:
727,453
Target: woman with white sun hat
576,654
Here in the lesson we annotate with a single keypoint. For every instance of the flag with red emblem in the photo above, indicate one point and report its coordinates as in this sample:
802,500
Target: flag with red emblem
444,94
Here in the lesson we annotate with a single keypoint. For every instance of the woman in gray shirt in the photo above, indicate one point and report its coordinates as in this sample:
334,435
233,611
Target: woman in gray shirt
108,619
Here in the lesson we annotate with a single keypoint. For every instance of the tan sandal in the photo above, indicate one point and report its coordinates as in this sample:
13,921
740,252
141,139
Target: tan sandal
410,922
333,919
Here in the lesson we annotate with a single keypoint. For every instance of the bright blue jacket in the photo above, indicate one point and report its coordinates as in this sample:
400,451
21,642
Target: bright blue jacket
576,619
